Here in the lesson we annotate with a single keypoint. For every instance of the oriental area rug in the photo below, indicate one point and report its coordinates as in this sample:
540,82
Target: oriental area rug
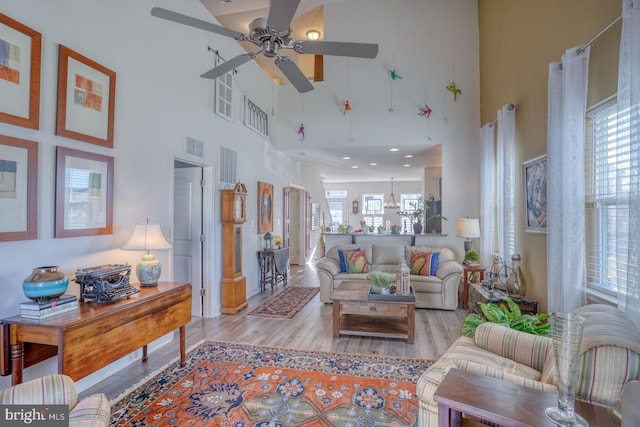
286,304
237,385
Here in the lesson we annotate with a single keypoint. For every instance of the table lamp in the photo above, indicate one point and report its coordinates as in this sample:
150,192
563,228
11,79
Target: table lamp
469,228
147,237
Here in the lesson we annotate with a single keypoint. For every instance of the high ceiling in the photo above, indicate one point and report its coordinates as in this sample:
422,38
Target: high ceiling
336,164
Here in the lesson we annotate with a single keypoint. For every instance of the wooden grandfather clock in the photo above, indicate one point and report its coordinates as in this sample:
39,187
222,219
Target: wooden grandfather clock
233,215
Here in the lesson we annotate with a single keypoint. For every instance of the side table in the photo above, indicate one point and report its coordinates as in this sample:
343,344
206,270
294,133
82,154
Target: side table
478,292
274,267
502,402
466,279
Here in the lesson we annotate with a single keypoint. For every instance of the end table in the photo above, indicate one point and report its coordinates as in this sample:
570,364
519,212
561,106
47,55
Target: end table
466,279
478,292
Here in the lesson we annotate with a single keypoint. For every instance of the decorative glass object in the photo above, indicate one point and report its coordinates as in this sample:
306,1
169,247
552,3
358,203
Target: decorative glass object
45,283
566,331
268,241
515,285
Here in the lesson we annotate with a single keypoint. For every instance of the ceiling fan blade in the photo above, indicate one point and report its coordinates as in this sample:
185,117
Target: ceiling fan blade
357,50
281,13
293,73
197,23
228,66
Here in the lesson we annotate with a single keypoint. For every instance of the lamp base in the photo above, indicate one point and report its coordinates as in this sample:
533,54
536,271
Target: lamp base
148,270
468,244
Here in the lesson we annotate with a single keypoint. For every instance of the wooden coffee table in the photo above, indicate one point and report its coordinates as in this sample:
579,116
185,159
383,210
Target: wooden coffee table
501,402
355,314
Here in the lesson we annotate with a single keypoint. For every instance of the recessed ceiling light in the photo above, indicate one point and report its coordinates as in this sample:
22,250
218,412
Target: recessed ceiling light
346,158
313,34
406,166
408,156
373,164
394,149
354,167
224,1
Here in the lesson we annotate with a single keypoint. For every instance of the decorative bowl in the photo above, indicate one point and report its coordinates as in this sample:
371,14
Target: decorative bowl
45,283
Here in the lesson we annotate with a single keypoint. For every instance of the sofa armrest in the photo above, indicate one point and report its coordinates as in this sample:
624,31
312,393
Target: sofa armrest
448,267
53,389
480,369
330,265
528,349
94,411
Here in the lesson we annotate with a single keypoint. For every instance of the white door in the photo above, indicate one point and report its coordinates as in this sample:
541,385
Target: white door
187,226
295,248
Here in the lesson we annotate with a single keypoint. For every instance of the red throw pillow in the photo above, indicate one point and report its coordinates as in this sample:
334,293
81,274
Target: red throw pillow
421,263
356,261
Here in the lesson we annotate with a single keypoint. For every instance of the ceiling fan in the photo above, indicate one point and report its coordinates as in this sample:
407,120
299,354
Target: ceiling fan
271,34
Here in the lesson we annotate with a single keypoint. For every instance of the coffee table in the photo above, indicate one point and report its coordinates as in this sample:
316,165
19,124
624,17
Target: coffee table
501,402
355,314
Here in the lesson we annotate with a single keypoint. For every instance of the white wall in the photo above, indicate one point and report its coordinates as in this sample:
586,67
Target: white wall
160,100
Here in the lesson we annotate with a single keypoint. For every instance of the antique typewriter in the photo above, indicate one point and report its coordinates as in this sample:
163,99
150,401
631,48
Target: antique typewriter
105,283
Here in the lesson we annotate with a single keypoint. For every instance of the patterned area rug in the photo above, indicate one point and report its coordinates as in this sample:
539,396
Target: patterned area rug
237,385
286,304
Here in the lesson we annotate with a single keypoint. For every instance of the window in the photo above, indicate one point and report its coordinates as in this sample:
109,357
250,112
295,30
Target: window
335,194
224,95
373,210
408,203
336,210
608,175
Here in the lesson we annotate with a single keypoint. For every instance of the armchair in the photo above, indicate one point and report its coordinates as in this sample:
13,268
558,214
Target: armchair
58,389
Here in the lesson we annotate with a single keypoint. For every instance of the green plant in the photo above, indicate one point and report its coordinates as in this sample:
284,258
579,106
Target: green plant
420,207
471,256
381,279
508,315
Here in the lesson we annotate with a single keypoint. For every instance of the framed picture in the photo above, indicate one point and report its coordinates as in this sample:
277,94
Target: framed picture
86,99
18,189
535,190
20,63
84,193
265,207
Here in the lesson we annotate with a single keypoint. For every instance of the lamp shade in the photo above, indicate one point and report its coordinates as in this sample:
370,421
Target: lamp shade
469,228
147,237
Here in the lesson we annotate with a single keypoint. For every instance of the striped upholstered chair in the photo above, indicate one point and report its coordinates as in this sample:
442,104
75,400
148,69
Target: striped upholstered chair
610,357
57,389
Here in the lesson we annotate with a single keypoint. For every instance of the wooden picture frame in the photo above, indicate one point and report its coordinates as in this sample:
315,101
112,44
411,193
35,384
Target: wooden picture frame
265,207
84,193
535,191
20,63
86,99
18,189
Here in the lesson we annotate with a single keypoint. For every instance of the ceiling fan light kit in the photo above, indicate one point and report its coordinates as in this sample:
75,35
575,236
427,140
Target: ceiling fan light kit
271,34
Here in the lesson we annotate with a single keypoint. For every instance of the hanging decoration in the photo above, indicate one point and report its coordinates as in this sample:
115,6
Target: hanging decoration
301,131
452,86
394,76
425,111
347,107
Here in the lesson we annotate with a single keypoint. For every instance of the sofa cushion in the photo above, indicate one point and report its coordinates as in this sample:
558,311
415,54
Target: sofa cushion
343,260
435,260
387,255
356,261
446,254
420,264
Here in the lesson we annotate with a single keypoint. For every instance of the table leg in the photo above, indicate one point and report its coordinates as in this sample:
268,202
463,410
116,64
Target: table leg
17,353
465,290
443,415
336,319
411,324
145,357
183,352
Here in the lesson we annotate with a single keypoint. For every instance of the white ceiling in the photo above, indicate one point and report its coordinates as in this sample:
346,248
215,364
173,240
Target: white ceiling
238,14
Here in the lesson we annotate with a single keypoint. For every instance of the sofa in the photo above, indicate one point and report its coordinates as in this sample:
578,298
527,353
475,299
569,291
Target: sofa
432,291
58,389
609,358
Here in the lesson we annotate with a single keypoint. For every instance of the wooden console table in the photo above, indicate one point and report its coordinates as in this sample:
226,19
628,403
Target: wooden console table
99,334
502,402
274,266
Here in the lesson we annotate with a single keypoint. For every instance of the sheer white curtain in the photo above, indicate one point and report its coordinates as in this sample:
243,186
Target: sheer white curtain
487,193
505,182
566,271
629,100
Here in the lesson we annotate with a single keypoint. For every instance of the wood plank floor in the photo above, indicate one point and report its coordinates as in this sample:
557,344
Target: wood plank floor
310,329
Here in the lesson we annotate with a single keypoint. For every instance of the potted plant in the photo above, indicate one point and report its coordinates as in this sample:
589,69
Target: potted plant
509,315
471,258
381,282
420,208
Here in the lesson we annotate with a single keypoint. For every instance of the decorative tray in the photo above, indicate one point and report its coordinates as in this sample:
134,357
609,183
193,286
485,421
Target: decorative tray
391,297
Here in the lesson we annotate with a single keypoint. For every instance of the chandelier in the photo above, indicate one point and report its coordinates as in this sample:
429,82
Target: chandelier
391,202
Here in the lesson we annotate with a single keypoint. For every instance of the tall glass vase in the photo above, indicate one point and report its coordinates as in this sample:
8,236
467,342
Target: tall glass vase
566,331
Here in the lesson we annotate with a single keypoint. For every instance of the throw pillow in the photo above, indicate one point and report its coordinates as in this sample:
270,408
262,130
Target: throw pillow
356,261
341,258
435,259
420,263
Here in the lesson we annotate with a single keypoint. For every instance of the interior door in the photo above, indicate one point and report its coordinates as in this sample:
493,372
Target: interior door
187,226
286,222
295,254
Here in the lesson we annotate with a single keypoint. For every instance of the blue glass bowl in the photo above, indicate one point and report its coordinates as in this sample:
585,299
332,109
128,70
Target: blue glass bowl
45,283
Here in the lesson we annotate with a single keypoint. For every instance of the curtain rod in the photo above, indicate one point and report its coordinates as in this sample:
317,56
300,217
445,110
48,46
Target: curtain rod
597,36
510,106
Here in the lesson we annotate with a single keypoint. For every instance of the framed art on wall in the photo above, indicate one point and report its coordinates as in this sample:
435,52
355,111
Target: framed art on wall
265,207
84,193
535,190
20,61
86,99
18,189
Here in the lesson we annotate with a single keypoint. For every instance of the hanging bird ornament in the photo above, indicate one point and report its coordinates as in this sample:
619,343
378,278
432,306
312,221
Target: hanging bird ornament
394,75
454,90
301,131
426,111
347,107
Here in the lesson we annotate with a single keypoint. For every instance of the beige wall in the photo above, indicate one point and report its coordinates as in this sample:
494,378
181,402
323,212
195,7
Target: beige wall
518,40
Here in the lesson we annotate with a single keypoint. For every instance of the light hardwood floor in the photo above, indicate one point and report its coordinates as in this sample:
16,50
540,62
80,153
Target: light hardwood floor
310,329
